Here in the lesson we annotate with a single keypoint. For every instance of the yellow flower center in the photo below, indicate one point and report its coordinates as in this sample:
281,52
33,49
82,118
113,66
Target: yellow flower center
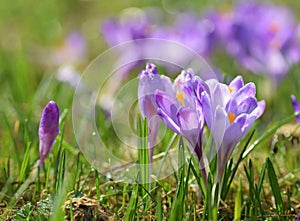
180,97
231,89
231,117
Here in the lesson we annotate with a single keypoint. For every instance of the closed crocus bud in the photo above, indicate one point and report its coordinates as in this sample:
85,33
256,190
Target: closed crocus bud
296,107
149,82
48,129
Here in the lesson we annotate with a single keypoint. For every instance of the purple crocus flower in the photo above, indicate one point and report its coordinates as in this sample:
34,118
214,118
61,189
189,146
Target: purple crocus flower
48,129
129,28
189,30
181,111
296,107
72,51
229,111
149,82
262,37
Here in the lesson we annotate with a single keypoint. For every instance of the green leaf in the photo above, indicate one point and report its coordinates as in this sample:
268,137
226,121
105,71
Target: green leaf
24,167
238,202
159,211
275,187
132,205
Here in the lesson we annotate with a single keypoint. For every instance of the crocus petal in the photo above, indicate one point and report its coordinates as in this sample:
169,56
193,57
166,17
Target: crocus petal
259,110
219,125
189,124
153,127
168,120
167,110
167,104
234,133
247,105
249,90
222,95
149,82
207,109
147,106
236,83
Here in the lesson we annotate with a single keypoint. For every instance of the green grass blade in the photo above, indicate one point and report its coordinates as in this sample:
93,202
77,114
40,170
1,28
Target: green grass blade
199,179
24,167
143,154
181,159
159,211
261,177
132,205
238,202
275,187
17,154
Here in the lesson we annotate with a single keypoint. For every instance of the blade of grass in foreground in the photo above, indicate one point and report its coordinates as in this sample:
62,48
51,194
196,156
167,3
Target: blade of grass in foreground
17,155
25,163
275,187
159,211
238,202
60,198
143,154
179,204
60,165
132,205
24,168
252,201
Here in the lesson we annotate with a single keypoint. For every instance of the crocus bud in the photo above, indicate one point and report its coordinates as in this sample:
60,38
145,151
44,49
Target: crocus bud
296,107
48,129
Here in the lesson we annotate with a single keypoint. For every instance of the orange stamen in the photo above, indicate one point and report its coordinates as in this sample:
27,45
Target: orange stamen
231,89
231,117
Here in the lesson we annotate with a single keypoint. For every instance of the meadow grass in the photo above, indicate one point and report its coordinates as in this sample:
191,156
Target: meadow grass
261,181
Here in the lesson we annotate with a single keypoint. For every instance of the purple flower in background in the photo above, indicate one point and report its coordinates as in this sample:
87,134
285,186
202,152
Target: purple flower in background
149,82
48,129
72,51
128,28
263,37
229,112
296,107
134,24
189,30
